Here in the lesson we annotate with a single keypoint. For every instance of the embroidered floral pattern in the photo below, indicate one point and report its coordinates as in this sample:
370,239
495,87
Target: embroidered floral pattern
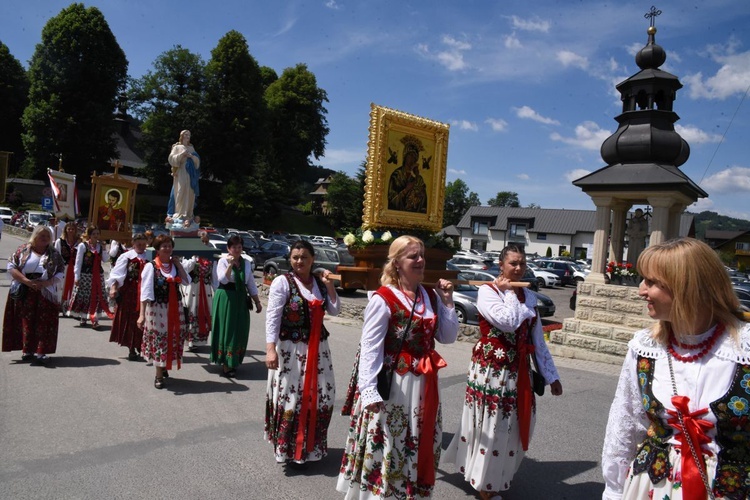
653,455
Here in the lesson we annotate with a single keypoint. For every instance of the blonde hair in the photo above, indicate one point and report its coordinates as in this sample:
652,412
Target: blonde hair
37,231
389,276
697,280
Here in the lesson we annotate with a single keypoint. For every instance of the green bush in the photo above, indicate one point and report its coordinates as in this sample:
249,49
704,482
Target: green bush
549,251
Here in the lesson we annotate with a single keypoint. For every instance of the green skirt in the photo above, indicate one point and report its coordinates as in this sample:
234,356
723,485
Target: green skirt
230,328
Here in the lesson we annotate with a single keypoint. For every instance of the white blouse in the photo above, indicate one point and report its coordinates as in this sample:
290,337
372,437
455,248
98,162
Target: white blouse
147,281
189,265
221,273
505,312
120,270
703,381
277,297
375,327
79,257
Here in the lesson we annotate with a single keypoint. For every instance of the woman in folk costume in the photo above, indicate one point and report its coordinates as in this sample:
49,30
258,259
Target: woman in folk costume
198,297
124,286
230,315
679,424
161,315
395,434
31,318
67,247
89,298
499,411
299,399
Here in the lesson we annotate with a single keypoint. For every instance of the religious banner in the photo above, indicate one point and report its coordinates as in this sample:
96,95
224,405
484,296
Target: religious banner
65,194
112,204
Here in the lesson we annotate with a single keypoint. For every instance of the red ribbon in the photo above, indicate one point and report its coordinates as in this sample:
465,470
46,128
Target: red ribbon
97,294
70,277
173,316
308,418
204,313
428,366
523,391
696,428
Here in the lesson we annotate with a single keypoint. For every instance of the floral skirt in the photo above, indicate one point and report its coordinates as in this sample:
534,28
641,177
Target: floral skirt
81,299
31,325
284,400
487,445
639,486
157,345
380,454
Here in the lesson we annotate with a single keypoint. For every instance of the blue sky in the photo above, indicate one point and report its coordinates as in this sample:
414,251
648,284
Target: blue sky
527,87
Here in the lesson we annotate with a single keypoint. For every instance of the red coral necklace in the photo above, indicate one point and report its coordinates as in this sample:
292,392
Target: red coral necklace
704,346
416,302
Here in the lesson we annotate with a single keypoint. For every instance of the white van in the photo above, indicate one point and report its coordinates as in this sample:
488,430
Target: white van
35,218
6,214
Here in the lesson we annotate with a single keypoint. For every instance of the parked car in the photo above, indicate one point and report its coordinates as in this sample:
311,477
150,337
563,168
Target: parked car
326,258
467,262
35,218
465,302
271,249
564,270
743,293
544,278
221,246
6,214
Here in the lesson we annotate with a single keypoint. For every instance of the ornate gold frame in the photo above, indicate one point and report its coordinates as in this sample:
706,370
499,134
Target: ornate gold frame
100,186
390,133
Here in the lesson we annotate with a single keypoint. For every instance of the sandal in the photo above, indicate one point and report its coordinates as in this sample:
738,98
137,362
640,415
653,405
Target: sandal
165,373
159,382
42,359
27,357
94,325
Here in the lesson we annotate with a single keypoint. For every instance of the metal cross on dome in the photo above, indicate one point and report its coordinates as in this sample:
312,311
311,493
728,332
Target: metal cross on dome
651,15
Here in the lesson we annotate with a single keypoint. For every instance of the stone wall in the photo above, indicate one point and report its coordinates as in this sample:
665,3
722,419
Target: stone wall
606,318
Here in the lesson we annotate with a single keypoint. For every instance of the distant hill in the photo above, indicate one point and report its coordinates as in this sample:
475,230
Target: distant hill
712,220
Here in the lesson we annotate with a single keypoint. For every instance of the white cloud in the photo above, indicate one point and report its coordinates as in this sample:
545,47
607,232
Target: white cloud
331,4
731,79
694,135
588,135
465,125
529,25
701,205
528,113
453,57
577,173
457,172
730,180
288,25
512,42
497,124
568,58
342,156
523,177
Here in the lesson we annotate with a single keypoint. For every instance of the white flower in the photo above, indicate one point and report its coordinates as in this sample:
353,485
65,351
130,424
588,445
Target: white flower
349,239
367,237
386,236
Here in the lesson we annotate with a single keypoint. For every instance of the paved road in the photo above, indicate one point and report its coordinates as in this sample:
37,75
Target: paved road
91,425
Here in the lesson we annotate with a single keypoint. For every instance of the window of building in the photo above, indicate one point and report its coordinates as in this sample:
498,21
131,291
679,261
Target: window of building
742,245
481,227
518,230
541,236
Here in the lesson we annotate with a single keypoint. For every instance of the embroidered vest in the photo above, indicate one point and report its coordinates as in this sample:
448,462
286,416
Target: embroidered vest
732,413
497,348
88,260
133,271
421,336
201,271
67,251
295,321
161,287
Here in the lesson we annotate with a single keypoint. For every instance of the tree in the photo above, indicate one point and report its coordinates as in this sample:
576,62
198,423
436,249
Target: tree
168,99
235,132
297,120
267,76
533,205
549,252
345,200
457,202
14,89
75,76
504,199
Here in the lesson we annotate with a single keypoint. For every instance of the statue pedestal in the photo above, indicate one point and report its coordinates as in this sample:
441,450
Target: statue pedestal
187,246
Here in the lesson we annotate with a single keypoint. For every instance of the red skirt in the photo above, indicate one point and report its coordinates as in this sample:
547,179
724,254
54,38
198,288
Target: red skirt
125,331
31,325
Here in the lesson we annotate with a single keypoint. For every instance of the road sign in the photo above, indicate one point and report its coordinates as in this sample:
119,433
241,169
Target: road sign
46,203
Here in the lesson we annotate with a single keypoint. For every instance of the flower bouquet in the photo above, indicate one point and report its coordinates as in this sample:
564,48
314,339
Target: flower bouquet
361,238
622,273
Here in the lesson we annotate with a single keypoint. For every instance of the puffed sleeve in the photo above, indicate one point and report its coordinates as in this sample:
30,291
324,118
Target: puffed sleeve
58,246
147,283
277,297
503,310
543,356
374,329
189,264
250,279
118,273
447,330
626,429
79,260
334,304
114,249
221,272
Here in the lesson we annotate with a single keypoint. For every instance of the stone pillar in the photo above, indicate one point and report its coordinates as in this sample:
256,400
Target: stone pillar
617,240
675,214
660,222
603,216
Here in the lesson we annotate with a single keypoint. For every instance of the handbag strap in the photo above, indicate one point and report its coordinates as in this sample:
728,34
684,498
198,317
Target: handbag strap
408,325
693,452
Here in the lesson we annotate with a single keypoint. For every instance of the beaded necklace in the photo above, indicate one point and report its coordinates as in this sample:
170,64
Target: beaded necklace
704,346
417,300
